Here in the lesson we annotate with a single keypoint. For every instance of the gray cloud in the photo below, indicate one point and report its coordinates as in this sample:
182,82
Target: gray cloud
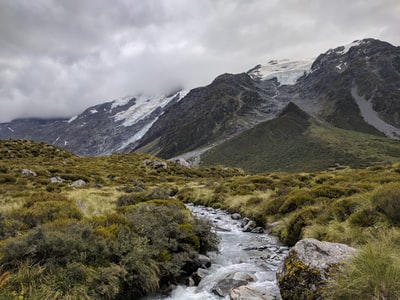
59,57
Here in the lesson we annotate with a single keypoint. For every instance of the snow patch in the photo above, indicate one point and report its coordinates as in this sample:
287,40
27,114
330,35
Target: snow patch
9,128
348,46
65,143
371,117
285,71
138,135
72,119
144,106
93,111
182,94
121,101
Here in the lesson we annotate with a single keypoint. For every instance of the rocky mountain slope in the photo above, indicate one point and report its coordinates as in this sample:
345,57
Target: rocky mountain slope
352,90
102,129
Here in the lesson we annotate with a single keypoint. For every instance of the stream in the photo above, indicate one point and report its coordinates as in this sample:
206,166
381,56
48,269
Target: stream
252,254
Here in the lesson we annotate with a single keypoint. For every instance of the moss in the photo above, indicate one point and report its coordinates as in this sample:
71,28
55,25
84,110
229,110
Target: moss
298,281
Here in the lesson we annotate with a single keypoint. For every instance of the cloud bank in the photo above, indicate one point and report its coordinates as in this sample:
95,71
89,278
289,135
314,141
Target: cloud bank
59,57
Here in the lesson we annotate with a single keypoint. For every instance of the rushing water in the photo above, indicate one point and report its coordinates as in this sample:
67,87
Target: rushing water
257,254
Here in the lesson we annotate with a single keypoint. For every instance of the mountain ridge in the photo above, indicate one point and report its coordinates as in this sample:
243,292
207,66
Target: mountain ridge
355,88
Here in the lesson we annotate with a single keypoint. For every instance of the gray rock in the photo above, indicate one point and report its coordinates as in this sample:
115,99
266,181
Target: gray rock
28,172
257,230
182,162
231,281
160,165
251,293
205,260
309,264
56,179
249,226
78,183
244,222
236,216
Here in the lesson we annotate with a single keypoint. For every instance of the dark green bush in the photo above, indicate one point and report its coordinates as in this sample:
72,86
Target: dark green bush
342,209
387,201
364,218
294,228
295,200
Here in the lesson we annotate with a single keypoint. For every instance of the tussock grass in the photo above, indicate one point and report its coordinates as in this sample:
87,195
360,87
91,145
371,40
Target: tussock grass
93,201
373,273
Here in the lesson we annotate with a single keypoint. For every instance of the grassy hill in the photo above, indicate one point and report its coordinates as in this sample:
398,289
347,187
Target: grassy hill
126,232
295,142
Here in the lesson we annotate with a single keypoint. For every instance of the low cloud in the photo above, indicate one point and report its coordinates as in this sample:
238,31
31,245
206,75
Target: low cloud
59,57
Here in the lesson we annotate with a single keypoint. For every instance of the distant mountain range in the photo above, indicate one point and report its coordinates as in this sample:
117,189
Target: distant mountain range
340,109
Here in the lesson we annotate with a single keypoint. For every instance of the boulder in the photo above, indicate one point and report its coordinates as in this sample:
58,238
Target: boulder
249,226
257,230
182,163
308,265
231,281
252,293
204,261
244,222
236,216
28,172
160,165
78,183
56,179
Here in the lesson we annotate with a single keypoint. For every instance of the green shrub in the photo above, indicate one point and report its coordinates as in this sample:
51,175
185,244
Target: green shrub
364,218
7,179
342,209
387,201
294,227
374,273
273,205
295,200
332,191
253,201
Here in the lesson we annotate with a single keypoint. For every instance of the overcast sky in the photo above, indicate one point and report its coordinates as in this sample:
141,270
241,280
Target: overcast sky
58,57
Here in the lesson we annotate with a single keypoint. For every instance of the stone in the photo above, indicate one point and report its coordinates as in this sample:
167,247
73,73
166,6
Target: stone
28,172
160,165
249,226
236,216
308,265
251,293
257,230
182,162
56,179
78,183
231,281
204,261
244,222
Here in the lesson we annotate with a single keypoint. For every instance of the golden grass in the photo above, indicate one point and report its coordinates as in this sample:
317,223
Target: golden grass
94,201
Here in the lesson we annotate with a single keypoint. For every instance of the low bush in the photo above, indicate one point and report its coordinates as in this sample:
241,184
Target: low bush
295,200
374,273
387,201
364,218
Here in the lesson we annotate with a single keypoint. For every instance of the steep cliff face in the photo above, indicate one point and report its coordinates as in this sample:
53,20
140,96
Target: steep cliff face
368,68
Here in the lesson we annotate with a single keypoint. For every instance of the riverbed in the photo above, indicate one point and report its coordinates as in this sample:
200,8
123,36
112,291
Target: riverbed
258,255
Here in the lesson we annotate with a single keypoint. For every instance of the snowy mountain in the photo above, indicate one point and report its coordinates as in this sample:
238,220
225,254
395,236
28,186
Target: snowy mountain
285,71
355,87
102,129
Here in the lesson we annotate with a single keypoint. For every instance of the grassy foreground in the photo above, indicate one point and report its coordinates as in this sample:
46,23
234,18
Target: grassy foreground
126,232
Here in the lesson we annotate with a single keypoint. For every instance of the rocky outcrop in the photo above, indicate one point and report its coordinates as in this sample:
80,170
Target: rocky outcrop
309,264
